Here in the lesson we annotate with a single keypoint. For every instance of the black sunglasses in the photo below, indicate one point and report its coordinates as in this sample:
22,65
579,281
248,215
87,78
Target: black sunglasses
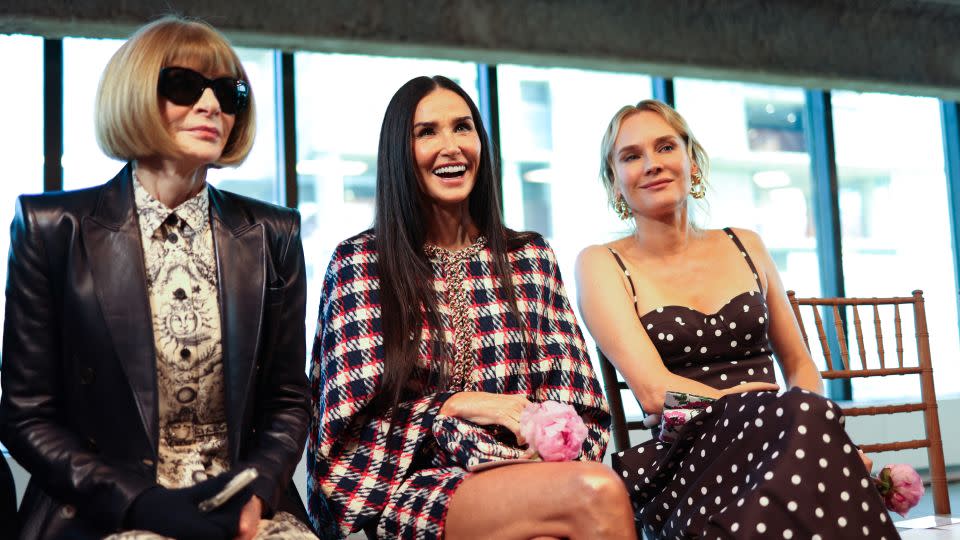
185,86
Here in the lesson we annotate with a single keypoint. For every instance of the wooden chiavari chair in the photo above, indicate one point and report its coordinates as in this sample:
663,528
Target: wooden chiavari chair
839,364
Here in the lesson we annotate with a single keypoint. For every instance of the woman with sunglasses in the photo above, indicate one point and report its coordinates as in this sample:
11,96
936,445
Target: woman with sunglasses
153,344
437,328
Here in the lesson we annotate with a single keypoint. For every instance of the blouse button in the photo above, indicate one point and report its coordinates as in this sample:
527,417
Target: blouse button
180,294
68,511
184,353
172,238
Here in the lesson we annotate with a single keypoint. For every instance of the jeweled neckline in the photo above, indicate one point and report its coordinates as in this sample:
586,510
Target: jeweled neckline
662,309
433,250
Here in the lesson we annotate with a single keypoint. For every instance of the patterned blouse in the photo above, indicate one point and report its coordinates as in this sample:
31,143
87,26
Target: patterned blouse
182,285
396,472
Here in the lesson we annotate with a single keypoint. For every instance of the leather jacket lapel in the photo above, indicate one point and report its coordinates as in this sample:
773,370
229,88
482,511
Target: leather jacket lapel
111,240
240,250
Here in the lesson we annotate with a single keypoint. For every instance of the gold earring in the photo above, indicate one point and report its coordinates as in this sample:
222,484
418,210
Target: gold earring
621,208
698,190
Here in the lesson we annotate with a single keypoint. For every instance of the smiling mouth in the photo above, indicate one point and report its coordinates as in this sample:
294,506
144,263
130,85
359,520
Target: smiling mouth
655,183
450,171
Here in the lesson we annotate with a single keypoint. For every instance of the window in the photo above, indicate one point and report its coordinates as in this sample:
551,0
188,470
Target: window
895,226
257,176
84,164
341,100
84,60
550,145
22,140
759,169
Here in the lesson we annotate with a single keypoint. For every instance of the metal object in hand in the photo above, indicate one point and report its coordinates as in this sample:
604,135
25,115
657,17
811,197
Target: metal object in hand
234,486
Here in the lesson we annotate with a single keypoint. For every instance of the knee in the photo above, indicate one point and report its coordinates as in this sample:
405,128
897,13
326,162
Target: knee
803,401
599,485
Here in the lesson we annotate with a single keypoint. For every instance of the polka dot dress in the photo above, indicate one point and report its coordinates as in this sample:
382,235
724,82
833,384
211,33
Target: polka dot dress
752,465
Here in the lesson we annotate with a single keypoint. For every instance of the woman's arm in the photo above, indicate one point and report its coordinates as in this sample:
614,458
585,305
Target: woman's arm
608,311
31,409
794,358
564,365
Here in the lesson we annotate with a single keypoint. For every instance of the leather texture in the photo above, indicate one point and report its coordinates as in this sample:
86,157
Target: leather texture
79,408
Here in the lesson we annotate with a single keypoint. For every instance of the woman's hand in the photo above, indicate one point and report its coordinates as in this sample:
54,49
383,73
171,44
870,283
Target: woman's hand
867,462
488,409
750,387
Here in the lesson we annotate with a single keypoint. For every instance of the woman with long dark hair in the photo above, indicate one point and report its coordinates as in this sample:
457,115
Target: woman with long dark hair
437,328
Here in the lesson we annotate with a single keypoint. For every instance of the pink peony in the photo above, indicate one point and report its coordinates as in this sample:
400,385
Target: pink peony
554,430
900,487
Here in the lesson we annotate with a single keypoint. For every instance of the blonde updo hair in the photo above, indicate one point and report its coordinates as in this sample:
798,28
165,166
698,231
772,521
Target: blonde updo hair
128,121
696,151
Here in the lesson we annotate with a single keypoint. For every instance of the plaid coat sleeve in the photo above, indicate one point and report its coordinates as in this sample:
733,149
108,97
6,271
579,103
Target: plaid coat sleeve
567,375
558,367
355,459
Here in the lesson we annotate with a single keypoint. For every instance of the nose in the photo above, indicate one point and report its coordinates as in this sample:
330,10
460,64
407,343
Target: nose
651,164
448,143
208,102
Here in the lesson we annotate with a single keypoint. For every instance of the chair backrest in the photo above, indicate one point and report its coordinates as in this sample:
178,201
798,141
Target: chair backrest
874,361
612,387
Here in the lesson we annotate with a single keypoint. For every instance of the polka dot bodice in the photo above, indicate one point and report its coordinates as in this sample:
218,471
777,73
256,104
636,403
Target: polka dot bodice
719,349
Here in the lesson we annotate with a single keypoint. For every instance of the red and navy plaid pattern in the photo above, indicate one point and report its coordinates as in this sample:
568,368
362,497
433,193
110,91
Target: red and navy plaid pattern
397,472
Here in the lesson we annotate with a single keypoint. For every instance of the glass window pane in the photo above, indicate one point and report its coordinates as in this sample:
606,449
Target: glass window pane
84,164
22,140
257,176
895,225
340,104
84,60
550,143
759,169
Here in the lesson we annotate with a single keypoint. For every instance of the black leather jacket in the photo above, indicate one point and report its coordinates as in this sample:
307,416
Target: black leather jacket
79,407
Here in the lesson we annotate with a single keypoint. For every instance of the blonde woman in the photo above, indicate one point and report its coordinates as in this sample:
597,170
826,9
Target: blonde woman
153,341
693,318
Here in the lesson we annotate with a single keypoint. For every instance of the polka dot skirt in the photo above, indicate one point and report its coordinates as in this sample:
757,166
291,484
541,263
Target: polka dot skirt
756,465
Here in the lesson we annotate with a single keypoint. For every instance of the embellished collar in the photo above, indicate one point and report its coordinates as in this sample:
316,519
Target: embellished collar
152,213
462,254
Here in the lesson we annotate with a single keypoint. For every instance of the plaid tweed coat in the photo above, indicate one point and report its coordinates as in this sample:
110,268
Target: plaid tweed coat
395,473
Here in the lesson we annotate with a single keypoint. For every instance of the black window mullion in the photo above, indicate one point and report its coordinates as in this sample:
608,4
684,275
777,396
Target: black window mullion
286,129
950,118
52,114
826,210
490,114
663,90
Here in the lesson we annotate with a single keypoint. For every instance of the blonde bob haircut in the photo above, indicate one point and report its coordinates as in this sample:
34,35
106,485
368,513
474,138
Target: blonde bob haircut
697,153
128,121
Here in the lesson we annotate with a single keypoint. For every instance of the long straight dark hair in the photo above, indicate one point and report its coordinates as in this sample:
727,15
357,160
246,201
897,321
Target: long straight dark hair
407,296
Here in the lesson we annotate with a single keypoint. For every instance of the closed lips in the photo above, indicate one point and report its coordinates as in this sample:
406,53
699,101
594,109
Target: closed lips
656,183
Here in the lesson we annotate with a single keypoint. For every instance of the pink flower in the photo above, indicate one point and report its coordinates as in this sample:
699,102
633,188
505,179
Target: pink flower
900,487
554,430
672,420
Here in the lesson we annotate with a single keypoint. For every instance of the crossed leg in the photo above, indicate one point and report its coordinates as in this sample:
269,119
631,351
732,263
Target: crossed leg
576,500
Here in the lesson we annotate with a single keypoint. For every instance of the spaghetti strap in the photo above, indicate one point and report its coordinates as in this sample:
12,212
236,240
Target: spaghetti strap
633,289
746,256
